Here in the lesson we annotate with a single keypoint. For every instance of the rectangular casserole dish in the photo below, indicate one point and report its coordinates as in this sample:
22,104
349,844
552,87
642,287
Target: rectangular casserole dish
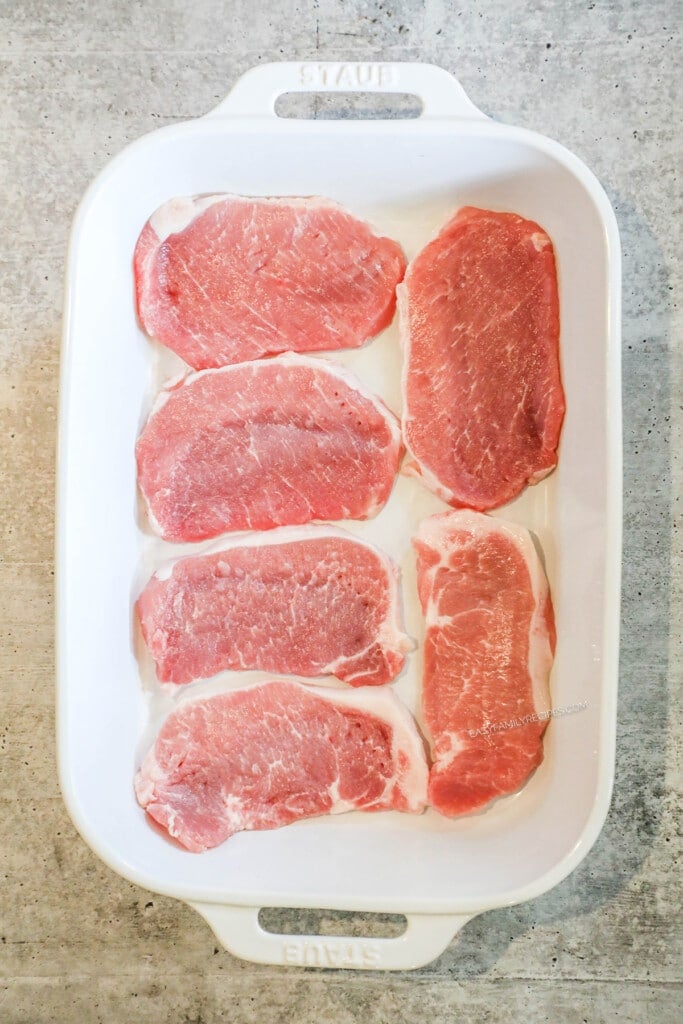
407,177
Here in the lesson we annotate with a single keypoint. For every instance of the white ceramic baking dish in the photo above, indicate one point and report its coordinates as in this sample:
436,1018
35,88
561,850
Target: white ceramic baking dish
407,176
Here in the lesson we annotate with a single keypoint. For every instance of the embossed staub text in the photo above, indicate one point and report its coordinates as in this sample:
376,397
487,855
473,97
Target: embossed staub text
348,76
328,953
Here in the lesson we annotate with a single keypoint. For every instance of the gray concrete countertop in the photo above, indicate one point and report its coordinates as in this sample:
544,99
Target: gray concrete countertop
79,81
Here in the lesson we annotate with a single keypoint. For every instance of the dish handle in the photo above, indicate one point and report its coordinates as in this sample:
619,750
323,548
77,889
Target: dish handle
256,92
425,937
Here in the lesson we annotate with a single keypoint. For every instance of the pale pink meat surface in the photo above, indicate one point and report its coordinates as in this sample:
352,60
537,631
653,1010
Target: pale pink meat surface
489,647
225,279
308,601
483,399
269,755
275,442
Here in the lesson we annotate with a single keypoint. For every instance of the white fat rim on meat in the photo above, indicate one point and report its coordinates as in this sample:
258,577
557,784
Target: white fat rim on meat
178,213
540,241
286,359
383,703
151,518
435,532
418,468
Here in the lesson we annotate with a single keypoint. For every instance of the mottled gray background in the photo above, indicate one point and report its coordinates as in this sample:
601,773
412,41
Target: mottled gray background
80,79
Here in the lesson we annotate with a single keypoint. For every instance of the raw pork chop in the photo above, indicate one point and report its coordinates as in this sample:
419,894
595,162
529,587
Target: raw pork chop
308,600
483,401
270,443
488,652
222,279
269,755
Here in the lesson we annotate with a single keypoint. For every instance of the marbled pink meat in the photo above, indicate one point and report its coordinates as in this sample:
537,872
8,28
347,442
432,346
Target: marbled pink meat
272,754
224,279
488,652
308,601
276,442
483,399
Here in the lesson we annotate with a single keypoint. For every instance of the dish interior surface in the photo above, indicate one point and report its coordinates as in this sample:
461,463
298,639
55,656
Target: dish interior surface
407,184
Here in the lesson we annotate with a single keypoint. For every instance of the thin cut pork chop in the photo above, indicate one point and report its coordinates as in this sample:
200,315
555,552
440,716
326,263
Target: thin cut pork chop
276,442
223,279
266,756
483,400
488,652
308,601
